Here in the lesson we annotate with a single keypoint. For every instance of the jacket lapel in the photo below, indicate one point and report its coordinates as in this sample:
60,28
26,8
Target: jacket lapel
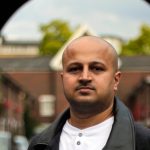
49,138
122,136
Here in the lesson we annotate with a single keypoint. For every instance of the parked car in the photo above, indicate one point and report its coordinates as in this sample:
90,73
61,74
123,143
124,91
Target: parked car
7,142
21,142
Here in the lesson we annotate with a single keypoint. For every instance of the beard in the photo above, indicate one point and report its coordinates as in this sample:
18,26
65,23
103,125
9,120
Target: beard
89,107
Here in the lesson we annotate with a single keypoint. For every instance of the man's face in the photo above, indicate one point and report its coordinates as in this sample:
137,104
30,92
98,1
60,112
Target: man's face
88,76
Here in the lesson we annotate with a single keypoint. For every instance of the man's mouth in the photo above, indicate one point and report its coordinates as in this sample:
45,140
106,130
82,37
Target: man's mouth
85,89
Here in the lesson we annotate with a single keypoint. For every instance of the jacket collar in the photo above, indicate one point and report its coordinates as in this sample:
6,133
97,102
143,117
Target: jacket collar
49,138
122,136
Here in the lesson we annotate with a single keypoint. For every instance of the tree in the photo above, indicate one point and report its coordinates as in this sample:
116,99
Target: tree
30,123
139,45
55,34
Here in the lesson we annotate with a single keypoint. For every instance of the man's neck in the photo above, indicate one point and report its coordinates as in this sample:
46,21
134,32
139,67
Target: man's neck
84,122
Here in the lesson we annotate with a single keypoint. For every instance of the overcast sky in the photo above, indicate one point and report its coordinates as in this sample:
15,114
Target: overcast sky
121,18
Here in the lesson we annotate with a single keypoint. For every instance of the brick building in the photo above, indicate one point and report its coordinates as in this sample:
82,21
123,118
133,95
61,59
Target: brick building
39,76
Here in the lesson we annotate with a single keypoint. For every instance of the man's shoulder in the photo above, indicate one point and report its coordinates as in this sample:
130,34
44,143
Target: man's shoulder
142,135
44,138
40,138
142,131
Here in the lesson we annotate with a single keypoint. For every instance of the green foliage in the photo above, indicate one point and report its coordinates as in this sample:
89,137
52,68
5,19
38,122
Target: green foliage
55,34
29,123
139,45
1,108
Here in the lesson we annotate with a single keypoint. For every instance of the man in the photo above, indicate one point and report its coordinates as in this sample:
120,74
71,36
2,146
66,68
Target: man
96,118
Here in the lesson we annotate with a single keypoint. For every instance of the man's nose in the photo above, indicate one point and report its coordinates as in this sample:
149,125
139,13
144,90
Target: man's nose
85,74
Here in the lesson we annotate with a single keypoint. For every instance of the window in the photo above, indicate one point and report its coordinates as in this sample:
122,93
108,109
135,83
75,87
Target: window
46,105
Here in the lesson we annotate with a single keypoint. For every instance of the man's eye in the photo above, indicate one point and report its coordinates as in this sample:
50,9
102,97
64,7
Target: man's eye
73,69
97,69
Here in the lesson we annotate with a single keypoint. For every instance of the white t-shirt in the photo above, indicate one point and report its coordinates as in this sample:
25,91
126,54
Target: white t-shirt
92,138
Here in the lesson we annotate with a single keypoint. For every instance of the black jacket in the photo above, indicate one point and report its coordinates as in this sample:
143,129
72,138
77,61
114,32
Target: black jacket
125,134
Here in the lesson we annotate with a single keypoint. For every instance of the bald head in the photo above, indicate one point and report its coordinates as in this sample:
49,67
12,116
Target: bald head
92,43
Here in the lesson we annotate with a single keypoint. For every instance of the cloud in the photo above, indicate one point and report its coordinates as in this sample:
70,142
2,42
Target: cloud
20,30
122,18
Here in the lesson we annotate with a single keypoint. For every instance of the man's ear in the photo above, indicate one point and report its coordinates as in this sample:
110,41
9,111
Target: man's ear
117,80
61,74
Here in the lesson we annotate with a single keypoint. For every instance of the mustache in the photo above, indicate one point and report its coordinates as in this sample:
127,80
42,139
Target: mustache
91,87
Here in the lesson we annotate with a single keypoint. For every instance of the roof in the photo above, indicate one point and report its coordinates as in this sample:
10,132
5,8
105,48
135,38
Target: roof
135,63
56,64
25,64
21,43
17,85
41,64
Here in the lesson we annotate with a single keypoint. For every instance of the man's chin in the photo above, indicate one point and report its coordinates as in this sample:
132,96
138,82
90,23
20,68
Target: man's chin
84,106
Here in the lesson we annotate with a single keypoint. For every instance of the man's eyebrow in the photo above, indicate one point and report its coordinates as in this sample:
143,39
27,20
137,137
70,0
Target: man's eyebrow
80,63
74,63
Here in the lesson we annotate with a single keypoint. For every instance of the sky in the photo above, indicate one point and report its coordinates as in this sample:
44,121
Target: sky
122,18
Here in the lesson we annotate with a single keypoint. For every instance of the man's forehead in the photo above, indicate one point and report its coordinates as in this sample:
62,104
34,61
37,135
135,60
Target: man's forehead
78,58
87,49
88,45
86,41
87,53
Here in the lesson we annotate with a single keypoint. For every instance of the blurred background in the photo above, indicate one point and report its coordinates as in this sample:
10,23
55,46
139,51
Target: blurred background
32,40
